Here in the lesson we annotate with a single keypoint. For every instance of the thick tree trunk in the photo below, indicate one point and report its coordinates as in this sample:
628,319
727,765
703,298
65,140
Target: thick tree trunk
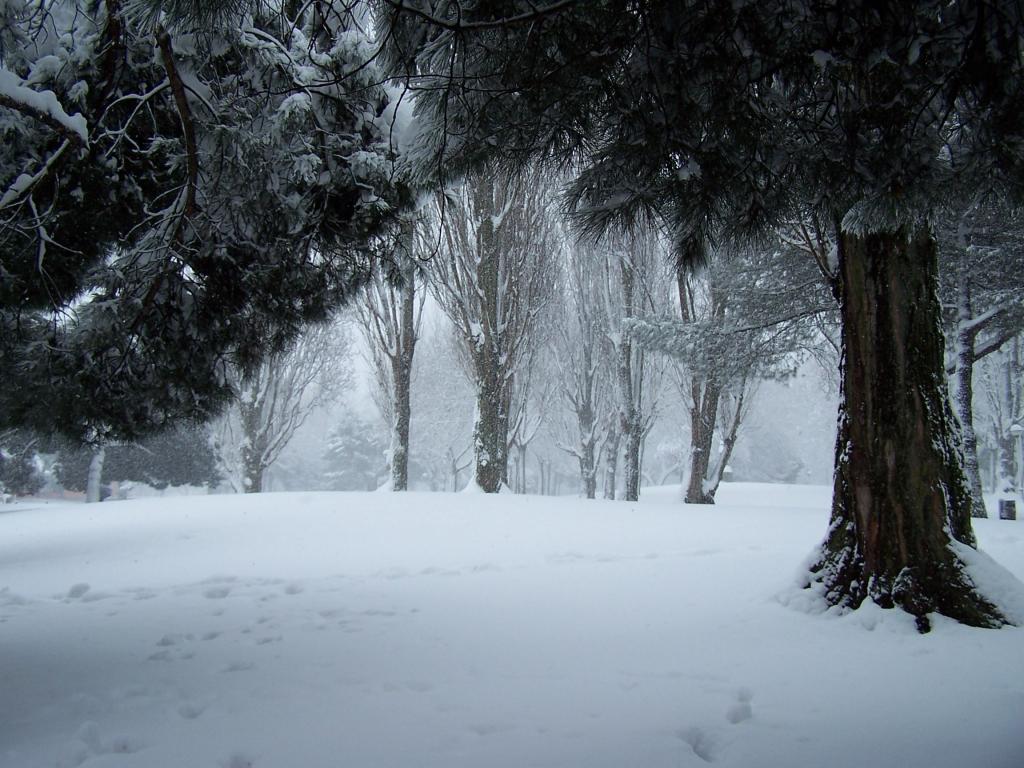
634,434
586,418
728,445
900,493
252,478
493,377
402,378
94,480
253,446
490,438
611,461
1006,450
1006,442
630,375
703,417
964,399
588,469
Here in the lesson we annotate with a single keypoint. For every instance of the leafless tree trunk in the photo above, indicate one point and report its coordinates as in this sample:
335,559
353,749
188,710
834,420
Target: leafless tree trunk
275,400
490,278
582,366
1005,401
963,398
611,457
389,316
94,481
634,284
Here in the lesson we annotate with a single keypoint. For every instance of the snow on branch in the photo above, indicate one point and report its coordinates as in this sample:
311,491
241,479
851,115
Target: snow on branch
457,25
42,106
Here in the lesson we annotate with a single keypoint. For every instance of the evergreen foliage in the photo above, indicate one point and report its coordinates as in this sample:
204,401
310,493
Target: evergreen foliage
355,456
19,465
213,189
181,456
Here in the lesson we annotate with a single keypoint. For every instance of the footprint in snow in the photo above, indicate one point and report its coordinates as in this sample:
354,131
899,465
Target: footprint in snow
740,709
700,742
294,589
190,711
217,593
238,666
238,760
220,580
76,591
88,744
489,729
419,686
11,598
92,597
173,639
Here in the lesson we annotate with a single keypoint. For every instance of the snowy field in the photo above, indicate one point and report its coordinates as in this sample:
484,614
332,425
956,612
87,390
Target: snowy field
458,631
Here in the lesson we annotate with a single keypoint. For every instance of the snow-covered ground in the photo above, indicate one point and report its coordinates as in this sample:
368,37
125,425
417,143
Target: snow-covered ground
457,630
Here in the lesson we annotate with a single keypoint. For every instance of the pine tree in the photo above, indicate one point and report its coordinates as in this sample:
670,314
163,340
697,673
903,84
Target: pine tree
355,456
721,119
175,200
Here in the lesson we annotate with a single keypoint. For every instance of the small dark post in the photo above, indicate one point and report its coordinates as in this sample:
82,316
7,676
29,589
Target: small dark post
1007,509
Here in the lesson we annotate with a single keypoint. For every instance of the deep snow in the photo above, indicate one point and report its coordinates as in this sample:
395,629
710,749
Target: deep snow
456,630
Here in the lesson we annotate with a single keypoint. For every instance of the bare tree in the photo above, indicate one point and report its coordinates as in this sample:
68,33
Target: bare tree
746,316
981,262
276,399
710,389
491,278
389,313
582,367
634,284
442,411
1001,382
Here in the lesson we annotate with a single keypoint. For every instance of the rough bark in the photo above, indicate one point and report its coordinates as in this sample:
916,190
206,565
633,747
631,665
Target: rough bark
728,445
964,399
704,397
1006,449
588,469
490,436
253,480
900,493
703,417
611,461
1006,442
253,446
631,461
583,398
631,426
401,364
